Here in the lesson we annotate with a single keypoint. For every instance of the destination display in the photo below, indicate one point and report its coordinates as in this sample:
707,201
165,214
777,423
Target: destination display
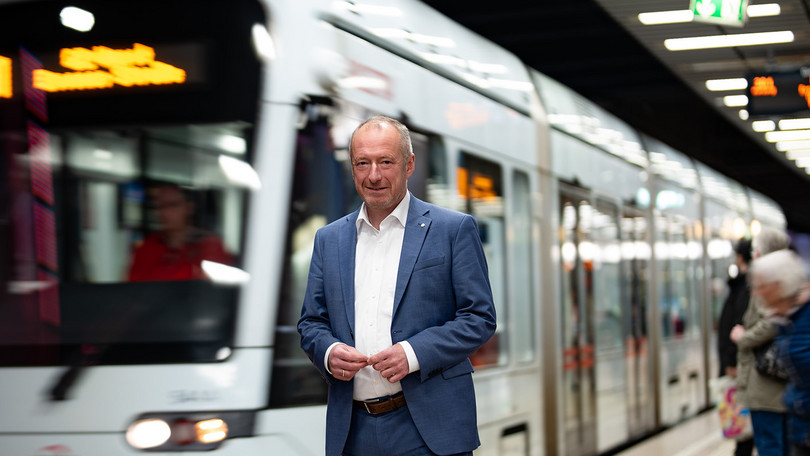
779,93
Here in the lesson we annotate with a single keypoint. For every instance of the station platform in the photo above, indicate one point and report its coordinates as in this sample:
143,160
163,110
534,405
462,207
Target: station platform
698,436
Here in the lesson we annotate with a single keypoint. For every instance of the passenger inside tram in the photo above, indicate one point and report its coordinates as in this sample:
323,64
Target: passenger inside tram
177,250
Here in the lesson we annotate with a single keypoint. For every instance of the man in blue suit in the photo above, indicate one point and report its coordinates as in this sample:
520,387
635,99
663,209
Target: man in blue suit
398,298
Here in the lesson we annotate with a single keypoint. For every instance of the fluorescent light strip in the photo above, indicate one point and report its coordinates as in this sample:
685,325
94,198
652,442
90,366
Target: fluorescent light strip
766,9
794,124
803,162
717,41
799,153
666,17
679,16
763,125
784,146
790,135
735,100
716,85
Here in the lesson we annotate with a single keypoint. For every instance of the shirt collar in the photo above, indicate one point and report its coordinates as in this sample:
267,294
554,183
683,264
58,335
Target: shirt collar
400,213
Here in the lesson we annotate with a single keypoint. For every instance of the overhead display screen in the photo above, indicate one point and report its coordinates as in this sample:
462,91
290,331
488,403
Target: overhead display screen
161,62
778,93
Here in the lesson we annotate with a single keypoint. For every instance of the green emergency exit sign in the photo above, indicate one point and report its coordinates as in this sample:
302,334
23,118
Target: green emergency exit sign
723,12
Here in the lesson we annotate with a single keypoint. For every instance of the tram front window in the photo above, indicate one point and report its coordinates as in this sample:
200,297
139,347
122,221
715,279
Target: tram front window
121,209
118,255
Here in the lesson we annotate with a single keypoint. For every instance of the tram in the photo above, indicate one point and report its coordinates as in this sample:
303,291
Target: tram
607,249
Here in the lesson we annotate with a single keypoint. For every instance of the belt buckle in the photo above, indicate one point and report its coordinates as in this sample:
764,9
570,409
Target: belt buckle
365,405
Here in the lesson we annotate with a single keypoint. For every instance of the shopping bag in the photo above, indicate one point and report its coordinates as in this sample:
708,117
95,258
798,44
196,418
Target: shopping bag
735,420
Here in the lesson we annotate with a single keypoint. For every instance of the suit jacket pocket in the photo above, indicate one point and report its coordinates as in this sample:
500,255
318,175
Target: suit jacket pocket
428,262
464,367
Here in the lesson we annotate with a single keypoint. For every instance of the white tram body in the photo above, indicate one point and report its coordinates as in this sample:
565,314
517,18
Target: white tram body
607,249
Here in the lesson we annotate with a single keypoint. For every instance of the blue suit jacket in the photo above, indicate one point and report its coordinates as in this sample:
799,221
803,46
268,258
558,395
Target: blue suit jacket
442,306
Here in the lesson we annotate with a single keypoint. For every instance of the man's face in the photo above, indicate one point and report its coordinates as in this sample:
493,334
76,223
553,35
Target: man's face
172,208
379,170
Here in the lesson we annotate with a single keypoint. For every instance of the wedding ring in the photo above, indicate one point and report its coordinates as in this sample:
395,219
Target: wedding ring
342,373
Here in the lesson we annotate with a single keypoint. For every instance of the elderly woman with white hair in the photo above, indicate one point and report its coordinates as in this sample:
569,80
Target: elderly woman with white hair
760,393
780,279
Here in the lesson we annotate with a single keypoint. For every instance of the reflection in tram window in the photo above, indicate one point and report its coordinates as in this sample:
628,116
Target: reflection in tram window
481,191
522,306
578,254
150,205
177,248
97,213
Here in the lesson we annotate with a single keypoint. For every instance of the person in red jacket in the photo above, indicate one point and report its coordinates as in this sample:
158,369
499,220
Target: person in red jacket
175,252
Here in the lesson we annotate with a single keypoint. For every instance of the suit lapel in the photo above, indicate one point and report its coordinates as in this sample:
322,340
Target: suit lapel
416,228
347,242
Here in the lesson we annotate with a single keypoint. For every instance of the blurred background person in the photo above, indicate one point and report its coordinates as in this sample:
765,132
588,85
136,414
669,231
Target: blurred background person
780,280
731,315
761,394
177,250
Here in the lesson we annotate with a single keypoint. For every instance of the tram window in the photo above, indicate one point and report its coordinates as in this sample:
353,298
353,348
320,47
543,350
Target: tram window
607,277
79,219
523,304
678,290
481,190
322,191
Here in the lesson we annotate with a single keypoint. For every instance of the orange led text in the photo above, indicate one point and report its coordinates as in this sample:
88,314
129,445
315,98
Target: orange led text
102,68
763,86
804,91
5,77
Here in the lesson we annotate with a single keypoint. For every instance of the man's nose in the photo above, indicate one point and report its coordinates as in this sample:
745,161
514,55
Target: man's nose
375,173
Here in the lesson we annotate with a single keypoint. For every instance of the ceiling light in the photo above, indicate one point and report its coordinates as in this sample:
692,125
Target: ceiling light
790,135
666,17
767,9
799,153
803,162
739,39
763,125
735,100
77,18
794,124
716,85
678,16
743,114
784,146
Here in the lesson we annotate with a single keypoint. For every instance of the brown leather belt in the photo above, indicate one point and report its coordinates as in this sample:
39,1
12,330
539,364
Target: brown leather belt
379,406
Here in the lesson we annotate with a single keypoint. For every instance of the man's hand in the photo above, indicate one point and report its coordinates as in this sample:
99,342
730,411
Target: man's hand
392,363
736,332
345,361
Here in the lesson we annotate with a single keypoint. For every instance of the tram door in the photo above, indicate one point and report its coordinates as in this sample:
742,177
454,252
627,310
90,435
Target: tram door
611,325
635,272
578,383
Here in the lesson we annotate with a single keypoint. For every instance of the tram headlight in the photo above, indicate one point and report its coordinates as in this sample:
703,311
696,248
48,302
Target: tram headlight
193,431
148,433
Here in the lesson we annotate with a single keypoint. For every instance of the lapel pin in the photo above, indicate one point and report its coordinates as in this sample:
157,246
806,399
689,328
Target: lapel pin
422,225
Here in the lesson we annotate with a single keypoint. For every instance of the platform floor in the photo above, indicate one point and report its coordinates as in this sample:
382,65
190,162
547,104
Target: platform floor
698,436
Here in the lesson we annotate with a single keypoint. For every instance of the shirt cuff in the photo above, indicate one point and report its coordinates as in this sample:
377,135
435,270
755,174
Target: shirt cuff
326,357
413,363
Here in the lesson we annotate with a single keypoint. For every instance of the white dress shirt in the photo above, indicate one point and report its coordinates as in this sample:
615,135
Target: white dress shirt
375,278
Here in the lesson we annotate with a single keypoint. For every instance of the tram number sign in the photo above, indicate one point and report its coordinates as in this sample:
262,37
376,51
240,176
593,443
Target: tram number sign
725,12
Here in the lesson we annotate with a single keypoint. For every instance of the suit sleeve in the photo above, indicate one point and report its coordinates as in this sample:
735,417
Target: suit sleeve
314,325
473,322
